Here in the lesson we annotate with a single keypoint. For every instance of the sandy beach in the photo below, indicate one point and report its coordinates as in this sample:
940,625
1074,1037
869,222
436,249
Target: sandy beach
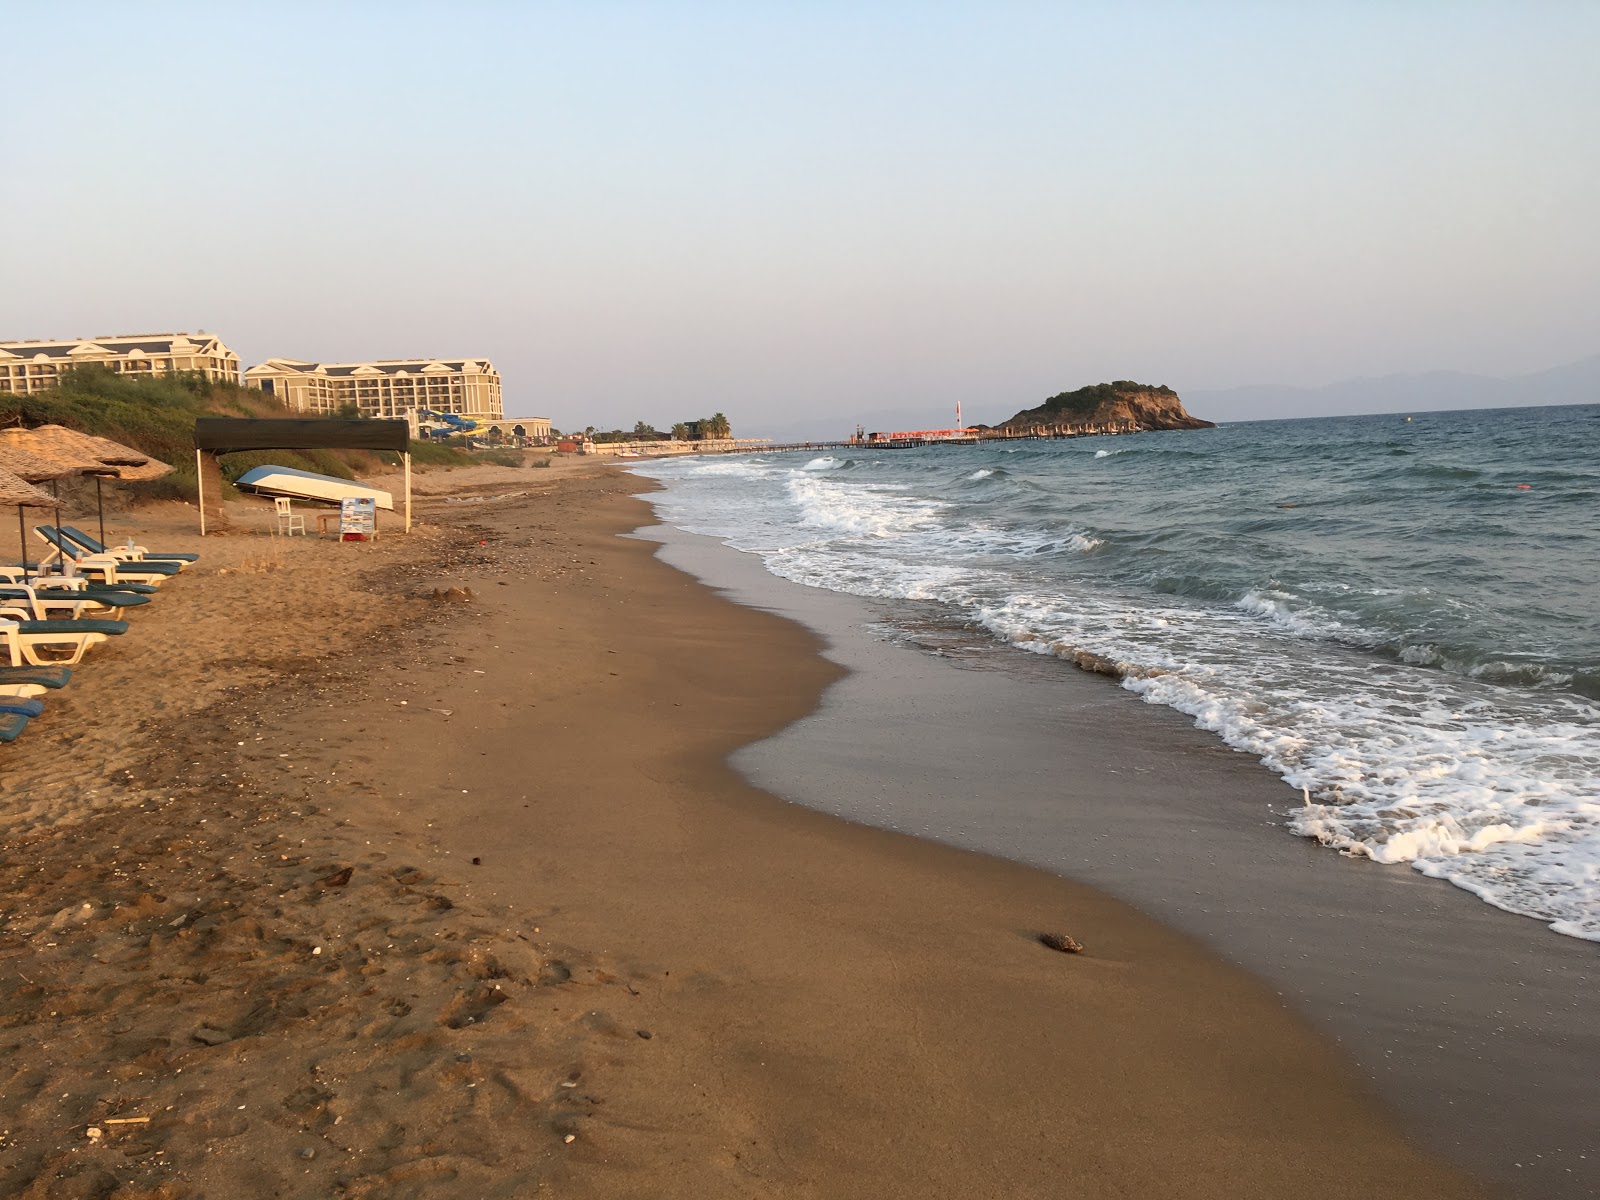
327,880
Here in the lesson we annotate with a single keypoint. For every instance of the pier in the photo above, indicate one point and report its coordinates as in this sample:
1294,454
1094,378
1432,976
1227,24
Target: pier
913,439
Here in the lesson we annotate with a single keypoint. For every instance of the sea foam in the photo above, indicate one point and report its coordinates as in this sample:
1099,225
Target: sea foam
1419,658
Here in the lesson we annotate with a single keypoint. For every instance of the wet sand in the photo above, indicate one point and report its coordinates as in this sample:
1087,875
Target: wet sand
1477,1026
382,894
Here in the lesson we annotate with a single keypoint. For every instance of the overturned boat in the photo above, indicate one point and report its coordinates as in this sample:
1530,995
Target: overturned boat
307,485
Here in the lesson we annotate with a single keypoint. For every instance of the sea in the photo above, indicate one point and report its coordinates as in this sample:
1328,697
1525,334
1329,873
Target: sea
1398,614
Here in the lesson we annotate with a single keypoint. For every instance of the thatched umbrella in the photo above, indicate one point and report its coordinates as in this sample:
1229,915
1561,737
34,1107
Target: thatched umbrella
32,468
132,466
92,455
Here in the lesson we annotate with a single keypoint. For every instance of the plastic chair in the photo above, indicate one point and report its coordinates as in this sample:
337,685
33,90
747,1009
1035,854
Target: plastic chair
288,519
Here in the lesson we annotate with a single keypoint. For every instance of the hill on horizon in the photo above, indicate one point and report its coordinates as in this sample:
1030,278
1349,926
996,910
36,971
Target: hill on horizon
1122,403
1430,391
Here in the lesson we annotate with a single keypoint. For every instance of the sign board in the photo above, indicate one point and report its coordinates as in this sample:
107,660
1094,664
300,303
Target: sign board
358,518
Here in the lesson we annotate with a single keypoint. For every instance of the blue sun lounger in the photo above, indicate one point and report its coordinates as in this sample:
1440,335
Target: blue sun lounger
50,677
134,554
104,565
11,726
36,575
42,599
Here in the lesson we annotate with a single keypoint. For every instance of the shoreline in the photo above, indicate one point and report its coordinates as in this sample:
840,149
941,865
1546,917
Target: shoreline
575,950
1468,1020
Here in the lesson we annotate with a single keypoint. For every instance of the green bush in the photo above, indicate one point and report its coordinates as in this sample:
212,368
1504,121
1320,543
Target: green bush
156,415
432,454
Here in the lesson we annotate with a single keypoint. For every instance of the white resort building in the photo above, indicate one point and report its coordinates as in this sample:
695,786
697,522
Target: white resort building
34,366
468,387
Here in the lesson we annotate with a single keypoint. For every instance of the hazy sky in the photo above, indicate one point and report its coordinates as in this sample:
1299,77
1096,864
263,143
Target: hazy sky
813,212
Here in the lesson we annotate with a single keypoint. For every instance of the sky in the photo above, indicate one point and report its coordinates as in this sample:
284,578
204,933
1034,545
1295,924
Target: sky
808,214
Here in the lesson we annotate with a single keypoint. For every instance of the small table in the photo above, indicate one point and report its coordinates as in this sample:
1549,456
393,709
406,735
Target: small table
324,519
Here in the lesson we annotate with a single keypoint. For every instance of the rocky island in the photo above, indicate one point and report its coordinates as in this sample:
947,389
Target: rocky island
1122,405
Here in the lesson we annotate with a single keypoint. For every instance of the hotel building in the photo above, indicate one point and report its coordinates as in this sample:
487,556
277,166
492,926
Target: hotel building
392,388
27,367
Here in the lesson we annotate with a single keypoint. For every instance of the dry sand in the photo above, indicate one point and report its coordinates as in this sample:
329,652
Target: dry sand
356,893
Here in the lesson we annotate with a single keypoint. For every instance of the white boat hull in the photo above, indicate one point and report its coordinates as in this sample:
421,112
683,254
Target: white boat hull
304,485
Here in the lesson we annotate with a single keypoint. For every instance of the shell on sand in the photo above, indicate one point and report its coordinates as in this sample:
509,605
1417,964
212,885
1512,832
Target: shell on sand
1063,942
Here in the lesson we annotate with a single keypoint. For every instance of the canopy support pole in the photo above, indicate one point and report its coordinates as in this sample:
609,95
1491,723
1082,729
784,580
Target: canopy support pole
200,484
407,457
100,504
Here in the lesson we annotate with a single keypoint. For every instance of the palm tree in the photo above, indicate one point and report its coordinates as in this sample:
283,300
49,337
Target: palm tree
680,432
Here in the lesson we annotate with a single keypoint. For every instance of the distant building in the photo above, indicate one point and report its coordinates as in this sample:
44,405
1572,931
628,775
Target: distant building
468,387
527,429
27,367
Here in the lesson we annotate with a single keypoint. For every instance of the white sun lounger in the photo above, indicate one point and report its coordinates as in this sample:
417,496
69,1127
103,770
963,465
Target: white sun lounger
104,566
21,649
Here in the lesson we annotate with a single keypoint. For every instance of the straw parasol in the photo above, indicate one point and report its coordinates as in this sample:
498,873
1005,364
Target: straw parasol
91,455
31,468
74,462
14,489
132,466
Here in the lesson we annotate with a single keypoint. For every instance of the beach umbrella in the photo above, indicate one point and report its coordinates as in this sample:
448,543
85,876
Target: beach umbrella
32,468
14,489
132,466
59,449
92,455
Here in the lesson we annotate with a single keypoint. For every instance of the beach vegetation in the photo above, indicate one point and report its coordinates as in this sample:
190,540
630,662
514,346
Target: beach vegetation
710,428
499,458
156,415
714,426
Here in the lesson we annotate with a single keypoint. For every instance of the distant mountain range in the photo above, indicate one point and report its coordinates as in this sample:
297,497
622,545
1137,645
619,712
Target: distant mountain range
1434,391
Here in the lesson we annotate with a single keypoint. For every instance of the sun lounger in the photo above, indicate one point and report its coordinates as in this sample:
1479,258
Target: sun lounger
20,707
49,677
51,643
107,568
129,553
82,583
26,604
11,726
15,576
76,601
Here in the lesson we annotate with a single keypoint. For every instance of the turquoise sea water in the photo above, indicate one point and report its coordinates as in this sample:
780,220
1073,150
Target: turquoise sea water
1400,616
